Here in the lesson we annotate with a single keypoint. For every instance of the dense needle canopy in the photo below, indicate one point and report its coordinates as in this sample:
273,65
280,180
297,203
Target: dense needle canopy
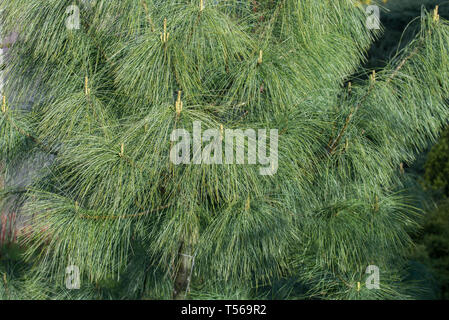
99,104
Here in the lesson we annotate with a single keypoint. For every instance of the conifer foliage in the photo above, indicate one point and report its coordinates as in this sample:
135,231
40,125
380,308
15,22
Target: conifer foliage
98,99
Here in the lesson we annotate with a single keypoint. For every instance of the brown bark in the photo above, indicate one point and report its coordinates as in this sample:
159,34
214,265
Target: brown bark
183,273
2,180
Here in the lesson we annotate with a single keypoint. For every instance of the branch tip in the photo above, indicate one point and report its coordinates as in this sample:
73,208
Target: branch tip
4,105
436,16
260,59
178,104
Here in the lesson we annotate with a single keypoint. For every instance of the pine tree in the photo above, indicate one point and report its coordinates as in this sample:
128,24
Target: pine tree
97,99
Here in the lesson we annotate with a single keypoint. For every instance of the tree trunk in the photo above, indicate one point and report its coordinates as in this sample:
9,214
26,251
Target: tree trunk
183,273
2,179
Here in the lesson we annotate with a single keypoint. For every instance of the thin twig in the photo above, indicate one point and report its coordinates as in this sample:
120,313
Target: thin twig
399,67
344,281
332,147
147,13
124,216
334,144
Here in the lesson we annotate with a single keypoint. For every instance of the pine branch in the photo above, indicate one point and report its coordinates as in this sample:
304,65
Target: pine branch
402,63
31,137
331,148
